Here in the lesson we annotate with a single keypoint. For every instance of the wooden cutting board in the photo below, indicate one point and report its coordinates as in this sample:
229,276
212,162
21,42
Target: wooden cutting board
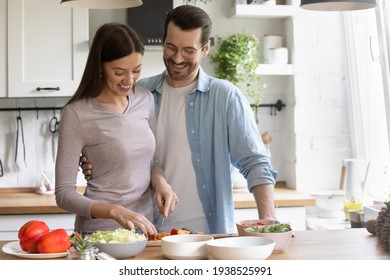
157,243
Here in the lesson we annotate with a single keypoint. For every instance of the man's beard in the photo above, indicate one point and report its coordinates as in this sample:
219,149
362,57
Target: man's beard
180,75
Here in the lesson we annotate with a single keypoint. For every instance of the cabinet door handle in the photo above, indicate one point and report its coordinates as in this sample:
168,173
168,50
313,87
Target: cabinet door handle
48,88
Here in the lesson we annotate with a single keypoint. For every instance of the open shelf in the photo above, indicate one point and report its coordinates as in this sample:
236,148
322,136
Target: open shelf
262,11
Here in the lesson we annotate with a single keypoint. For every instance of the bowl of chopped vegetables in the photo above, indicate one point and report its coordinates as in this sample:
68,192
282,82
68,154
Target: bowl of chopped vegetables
242,225
120,243
280,233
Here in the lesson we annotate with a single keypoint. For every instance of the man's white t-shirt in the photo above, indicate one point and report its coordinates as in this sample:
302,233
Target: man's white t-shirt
175,155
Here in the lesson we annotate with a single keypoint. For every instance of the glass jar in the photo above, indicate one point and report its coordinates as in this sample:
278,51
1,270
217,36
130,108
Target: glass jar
88,254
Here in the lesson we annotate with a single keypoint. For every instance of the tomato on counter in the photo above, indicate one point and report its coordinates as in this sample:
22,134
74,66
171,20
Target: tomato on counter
175,231
256,224
55,241
30,233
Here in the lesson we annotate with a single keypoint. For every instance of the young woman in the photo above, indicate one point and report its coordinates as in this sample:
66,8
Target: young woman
112,121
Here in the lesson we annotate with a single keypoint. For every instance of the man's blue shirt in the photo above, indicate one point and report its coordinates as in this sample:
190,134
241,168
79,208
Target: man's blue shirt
221,132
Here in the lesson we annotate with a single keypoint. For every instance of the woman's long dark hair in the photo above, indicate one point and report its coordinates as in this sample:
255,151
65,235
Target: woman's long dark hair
112,41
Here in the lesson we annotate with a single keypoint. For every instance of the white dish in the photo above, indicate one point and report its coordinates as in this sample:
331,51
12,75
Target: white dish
122,250
329,203
185,246
13,248
241,248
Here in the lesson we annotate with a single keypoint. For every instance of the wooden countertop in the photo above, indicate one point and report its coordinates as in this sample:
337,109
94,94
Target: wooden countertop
26,201
346,244
284,197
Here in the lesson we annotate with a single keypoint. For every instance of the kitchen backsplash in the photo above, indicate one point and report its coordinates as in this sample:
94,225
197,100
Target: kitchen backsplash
38,139
20,170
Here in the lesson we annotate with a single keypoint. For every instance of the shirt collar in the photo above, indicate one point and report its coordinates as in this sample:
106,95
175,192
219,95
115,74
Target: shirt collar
202,85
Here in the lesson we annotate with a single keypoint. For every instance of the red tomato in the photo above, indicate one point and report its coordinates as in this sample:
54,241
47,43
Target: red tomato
56,241
29,234
175,231
257,224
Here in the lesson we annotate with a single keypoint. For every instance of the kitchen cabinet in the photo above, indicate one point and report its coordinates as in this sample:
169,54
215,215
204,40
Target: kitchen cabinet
10,224
47,48
3,48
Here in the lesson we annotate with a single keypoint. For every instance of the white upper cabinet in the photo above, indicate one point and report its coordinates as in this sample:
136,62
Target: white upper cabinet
3,48
47,48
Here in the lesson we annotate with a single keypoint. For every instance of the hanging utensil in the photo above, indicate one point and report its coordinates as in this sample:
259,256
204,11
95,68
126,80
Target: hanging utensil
19,128
53,128
1,169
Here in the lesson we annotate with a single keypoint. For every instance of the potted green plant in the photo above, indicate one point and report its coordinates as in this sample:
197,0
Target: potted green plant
236,59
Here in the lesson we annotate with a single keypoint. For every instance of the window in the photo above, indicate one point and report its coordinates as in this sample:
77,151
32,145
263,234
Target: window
367,48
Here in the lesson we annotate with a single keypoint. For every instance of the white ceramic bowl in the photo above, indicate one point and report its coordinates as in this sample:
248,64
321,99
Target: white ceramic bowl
185,246
122,250
241,248
282,239
329,203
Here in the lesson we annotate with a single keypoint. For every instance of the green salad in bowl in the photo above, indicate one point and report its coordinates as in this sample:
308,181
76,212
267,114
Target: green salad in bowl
119,235
269,229
120,243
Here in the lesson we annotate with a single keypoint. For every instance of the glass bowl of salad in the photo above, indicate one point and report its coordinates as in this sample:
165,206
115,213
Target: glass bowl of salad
281,233
120,243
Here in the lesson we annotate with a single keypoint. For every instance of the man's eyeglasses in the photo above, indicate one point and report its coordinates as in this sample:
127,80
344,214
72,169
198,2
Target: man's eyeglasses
187,53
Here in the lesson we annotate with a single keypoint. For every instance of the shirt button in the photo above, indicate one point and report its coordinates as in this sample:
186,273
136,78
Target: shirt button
192,103
192,131
204,186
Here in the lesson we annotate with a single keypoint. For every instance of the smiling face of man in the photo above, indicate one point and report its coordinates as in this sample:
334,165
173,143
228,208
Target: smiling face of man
183,54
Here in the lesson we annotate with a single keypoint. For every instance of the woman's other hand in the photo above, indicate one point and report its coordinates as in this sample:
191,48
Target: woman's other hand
126,218
86,166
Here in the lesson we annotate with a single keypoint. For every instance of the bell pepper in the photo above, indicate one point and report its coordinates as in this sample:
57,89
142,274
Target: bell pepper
55,241
30,233
175,231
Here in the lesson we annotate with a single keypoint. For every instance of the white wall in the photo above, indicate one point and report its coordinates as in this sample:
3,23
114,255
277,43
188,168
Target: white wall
310,135
321,124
